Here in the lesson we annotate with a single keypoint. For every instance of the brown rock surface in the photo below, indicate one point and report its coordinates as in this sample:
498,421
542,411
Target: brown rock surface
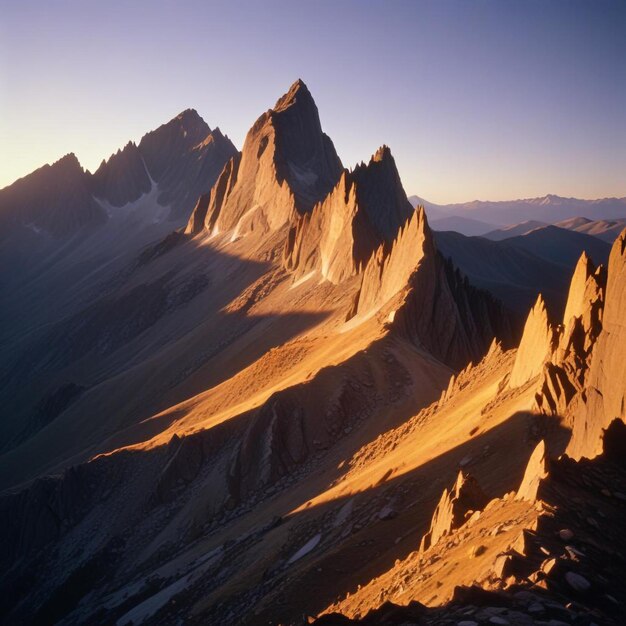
452,510
287,165
605,393
536,471
535,348
366,208
428,300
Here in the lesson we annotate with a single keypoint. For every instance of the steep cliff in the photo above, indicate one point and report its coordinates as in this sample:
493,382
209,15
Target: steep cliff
287,165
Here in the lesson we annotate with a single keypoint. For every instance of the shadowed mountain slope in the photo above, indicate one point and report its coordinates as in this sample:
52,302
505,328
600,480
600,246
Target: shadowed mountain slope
254,419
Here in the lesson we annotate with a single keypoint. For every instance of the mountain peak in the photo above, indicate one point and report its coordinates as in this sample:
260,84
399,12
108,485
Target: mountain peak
383,153
380,193
189,115
366,208
297,92
69,160
188,123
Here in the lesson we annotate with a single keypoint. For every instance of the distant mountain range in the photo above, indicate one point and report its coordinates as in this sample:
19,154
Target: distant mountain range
549,209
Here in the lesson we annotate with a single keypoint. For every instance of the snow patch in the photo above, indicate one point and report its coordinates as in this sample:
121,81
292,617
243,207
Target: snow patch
151,605
305,549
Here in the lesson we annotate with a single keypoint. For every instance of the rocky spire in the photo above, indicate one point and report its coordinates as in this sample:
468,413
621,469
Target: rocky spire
427,300
605,394
576,297
389,269
536,346
287,165
366,208
381,193
536,472
454,506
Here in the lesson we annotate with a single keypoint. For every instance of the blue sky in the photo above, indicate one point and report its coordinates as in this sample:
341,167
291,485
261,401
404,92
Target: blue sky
477,99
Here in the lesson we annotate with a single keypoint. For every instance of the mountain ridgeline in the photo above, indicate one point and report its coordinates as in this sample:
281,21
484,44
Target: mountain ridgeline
238,385
183,158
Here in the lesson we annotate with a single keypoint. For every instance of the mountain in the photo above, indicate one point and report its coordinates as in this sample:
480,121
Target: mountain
561,246
69,239
517,269
522,550
366,208
514,230
549,209
297,405
511,273
122,179
286,166
205,375
464,225
433,211
607,230
55,199
182,158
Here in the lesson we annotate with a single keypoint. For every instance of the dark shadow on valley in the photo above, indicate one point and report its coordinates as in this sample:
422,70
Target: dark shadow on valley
367,553
171,301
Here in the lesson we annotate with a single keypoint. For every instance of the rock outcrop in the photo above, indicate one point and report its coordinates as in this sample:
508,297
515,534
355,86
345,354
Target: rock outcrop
604,396
584,377
536,346
428,300
566,373
287,165
390,268
453,509
207,209
367,207
536,472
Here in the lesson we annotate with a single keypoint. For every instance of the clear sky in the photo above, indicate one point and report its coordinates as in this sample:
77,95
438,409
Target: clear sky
477,99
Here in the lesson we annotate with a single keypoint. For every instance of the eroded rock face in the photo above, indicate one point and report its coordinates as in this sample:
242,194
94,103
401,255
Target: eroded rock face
605,391
432,303
536,346
389,269
207,209
365,209
565,375
198,215
287,165
536,472
452,510
584,381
